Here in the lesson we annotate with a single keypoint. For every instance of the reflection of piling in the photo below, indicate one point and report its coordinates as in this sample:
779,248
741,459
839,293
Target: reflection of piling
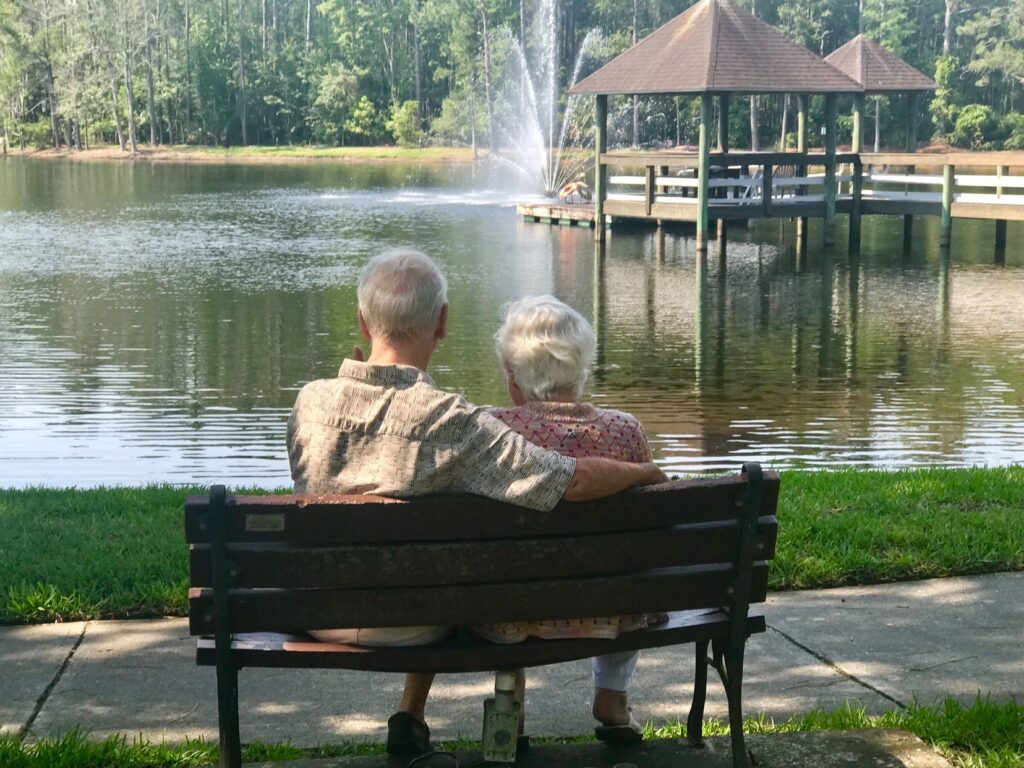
1001,171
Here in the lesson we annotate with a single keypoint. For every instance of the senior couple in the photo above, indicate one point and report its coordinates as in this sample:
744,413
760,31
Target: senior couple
383,427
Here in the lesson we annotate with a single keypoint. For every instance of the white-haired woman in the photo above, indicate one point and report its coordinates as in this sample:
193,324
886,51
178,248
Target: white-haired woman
546,349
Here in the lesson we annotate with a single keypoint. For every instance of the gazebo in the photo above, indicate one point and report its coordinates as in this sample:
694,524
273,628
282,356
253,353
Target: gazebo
716,49
878,71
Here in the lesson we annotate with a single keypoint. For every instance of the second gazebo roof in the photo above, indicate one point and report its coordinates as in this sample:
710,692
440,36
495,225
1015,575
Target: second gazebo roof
877,70
716,47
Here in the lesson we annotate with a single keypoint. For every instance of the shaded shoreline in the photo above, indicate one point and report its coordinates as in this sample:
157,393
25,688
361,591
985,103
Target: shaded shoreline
256,155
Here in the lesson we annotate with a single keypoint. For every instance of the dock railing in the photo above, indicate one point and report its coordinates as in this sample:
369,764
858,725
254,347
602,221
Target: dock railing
740,185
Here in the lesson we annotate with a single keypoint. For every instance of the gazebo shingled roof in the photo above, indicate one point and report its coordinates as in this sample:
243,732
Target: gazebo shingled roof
877,70
716,47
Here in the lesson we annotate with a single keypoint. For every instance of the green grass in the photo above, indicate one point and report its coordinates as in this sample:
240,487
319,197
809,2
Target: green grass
868,527
120,552
981,735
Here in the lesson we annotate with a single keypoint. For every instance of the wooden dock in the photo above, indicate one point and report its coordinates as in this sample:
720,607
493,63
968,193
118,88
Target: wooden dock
664,186
558,214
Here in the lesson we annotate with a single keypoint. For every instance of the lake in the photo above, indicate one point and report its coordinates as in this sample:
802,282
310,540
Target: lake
157,320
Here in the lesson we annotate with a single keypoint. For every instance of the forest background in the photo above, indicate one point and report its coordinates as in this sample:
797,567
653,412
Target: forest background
75,73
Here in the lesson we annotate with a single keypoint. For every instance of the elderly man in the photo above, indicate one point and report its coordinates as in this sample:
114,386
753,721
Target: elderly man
383,427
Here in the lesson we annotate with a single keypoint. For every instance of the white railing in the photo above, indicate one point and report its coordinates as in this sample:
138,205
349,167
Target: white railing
740,190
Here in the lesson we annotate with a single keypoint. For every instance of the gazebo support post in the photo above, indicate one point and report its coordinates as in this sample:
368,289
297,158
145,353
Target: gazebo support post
858,167
830,169
723,146
946,227
801,147
600,170
703,168
912,106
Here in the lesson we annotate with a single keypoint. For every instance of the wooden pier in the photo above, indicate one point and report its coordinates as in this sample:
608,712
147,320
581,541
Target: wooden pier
664,187
559,214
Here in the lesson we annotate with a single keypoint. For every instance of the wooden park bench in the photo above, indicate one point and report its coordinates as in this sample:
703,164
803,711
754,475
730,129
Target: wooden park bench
696,549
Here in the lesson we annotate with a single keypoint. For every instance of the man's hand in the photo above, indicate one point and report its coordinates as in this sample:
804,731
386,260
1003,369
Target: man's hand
596,478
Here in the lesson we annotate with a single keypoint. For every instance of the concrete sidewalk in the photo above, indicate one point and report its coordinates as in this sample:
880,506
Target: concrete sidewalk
880,647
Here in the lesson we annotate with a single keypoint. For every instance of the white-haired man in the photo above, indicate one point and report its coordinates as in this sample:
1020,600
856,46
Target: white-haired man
382,427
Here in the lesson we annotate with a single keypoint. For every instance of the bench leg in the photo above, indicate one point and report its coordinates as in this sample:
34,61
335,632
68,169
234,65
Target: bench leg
227,717
695,722
734,691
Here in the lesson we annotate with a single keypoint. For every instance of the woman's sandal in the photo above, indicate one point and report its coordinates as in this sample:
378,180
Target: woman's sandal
630,733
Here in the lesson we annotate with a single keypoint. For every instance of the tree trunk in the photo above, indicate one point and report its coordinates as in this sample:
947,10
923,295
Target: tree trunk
947,27
188,71
488,90
51,98
150,94
132,130
116,105
878,124
309,20
263,29
418,70
755,137
636,100
785,117
241,73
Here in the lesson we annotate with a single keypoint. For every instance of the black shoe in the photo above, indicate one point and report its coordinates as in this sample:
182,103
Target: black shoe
407,735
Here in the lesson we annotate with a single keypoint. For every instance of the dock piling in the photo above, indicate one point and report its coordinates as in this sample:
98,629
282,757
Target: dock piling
703,168
600,169
946,228
830,169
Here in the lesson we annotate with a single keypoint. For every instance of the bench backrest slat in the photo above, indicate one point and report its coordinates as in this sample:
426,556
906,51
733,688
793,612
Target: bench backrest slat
288,610
264,565
293,563
346,520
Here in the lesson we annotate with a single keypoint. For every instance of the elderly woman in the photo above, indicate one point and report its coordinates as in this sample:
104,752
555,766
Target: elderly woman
546,349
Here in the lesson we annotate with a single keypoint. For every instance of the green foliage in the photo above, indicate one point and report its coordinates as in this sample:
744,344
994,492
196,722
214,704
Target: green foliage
364,122
38,134
1011,128
404,124
943,105
237,73
336,90
974,123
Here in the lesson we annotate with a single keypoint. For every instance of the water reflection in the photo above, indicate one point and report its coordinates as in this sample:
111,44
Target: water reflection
156,322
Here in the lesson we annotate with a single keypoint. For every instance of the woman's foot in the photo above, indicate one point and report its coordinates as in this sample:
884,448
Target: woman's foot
611,707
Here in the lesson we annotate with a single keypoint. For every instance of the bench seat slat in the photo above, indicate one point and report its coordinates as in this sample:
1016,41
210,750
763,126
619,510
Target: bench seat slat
466,655
289,610
323,520
282,565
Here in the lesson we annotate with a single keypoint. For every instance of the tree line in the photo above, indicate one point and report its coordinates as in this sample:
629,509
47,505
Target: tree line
341,72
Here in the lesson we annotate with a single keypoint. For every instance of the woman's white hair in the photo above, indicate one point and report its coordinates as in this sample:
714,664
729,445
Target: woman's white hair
401,293
547,346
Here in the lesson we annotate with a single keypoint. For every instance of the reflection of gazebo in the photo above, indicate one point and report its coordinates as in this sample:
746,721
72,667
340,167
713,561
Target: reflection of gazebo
717,49
877,72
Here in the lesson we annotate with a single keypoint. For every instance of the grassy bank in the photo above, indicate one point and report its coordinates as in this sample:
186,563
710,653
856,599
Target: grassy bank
120,552
181,153
983,735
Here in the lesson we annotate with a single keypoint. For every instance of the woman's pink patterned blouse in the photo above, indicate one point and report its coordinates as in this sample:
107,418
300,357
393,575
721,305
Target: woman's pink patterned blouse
578,430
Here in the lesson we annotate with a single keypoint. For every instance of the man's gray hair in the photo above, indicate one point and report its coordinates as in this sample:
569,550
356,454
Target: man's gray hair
401,293
547,346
